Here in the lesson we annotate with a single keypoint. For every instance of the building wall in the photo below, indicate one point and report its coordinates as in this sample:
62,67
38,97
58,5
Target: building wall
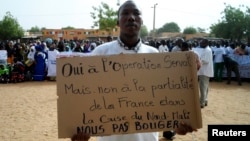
78,34
170,35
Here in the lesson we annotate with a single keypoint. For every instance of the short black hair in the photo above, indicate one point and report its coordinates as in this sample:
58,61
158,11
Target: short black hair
128,1
109,38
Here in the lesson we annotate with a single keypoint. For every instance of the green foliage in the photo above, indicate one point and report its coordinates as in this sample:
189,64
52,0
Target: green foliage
235,24
221,30
43,28
35,29
143,31
68,27
105,18
201,30
189,30
169,27
10,28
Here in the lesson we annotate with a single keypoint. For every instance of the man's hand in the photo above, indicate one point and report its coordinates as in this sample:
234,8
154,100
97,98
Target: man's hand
184,129
80,136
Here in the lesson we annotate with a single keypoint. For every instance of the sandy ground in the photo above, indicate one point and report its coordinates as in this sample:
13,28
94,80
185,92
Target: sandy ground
28,110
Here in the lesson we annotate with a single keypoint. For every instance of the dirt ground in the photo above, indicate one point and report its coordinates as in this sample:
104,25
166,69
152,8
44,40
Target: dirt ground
28,110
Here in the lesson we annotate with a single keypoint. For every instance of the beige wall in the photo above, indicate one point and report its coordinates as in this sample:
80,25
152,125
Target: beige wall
78,34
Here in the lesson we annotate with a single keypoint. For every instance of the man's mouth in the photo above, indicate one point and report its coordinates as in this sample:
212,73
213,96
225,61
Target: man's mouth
131,25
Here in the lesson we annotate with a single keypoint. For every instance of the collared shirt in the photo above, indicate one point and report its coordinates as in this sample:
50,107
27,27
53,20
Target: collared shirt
115,47
135,48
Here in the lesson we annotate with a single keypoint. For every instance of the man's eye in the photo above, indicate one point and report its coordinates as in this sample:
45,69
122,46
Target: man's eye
137,13
125,13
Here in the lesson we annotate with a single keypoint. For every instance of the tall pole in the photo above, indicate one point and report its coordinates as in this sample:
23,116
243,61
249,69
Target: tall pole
154,21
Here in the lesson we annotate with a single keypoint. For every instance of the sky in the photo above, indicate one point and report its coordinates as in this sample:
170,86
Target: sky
55,14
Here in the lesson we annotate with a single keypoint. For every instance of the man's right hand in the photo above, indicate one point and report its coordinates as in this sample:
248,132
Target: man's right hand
184,128
80,136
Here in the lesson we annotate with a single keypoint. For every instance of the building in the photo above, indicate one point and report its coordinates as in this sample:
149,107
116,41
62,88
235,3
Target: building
173,35
30,36
79,34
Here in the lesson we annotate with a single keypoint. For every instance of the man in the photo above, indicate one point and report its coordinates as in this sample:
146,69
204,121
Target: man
187,47
163,47
206,70
218,53
178,44
10,52
109,38
232,66
129,42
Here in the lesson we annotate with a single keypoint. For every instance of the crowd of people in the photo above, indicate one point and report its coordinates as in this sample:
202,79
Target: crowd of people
25,61
31,57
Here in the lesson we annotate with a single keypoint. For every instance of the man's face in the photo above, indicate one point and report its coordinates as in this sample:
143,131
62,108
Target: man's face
179,42
10,44
203,43
130,20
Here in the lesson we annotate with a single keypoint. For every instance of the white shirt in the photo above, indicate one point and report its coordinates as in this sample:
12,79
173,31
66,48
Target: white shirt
248,50
218,54
229,50
3,57
114,47
176,48
32,52
206,58
163,48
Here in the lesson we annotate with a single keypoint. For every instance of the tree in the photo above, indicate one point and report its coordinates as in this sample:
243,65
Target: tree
201,30
247,18
43,28
105,18
68,27
234,24
10,28
221,30
169,27
143,31
35,29
189,30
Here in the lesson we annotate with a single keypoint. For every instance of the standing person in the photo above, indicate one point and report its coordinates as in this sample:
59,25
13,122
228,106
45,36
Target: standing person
3,55
30,62
40,66
109,38
51,63
86,47
206,70
10,52
218,53
230,49
61,46
178,44
187,47
77,48
163,47
128,42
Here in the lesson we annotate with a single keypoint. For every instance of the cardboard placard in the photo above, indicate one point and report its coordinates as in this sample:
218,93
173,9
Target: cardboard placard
127,93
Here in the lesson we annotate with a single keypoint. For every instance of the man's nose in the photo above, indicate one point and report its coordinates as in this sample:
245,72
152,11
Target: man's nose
131,17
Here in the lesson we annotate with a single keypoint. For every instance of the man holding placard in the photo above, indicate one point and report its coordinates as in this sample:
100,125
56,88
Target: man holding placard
129,42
